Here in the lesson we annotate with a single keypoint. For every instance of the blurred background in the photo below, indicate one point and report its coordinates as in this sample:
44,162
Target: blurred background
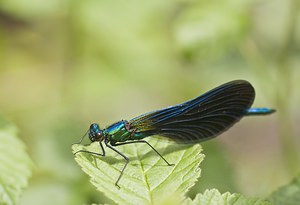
64,64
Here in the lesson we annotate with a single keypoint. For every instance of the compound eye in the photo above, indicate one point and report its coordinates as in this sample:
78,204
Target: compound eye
94,126
99,134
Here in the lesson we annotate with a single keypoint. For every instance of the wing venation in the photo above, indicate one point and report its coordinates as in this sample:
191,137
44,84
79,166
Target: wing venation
201,118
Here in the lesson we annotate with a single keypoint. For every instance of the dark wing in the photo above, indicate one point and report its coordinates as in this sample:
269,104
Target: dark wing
201,118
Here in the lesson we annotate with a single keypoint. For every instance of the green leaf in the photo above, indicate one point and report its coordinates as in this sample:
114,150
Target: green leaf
15,164
287,195
147,178
214,197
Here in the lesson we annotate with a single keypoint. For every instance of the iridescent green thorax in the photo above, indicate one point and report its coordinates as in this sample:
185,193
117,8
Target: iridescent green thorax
120,132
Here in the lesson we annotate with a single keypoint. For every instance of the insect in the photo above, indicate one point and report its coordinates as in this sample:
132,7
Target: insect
194,121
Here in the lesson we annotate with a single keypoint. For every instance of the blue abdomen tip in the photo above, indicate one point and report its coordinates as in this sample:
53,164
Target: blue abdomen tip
260,111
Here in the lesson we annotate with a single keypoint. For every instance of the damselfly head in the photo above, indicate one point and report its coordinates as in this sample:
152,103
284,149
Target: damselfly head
95,133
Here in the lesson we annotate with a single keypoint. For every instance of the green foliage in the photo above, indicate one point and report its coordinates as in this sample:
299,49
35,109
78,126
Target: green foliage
287,195
15,164
147,179
214,197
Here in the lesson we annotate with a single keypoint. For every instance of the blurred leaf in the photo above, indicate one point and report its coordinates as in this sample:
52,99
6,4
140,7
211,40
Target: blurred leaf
147,179
211,29
288,195
15,164
214,197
